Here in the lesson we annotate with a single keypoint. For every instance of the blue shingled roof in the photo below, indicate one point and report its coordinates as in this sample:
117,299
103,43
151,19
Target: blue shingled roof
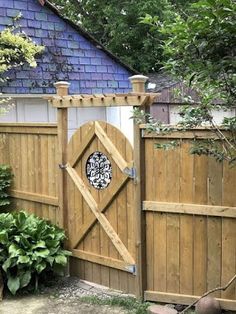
71,54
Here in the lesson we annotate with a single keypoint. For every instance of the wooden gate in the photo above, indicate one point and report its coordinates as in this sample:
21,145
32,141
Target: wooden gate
100,204
102,215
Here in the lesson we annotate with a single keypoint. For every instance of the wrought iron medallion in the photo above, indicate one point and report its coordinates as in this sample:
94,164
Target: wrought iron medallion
99,170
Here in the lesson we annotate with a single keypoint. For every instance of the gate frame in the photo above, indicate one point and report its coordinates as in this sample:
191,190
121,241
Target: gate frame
137,98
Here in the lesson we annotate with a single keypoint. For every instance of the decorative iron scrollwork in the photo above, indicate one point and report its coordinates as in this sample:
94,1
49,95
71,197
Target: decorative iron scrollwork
99,170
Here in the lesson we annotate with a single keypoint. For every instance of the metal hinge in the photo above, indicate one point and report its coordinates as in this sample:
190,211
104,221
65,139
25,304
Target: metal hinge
61,166
131,172
131,269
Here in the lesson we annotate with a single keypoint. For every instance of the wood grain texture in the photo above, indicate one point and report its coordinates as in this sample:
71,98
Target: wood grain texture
175,298
113,100
190,208
31,149
102,231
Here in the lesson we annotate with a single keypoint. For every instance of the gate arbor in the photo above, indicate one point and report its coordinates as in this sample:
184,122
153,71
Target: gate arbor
99,191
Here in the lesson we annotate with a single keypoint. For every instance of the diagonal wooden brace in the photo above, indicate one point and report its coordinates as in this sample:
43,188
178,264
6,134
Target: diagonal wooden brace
100,216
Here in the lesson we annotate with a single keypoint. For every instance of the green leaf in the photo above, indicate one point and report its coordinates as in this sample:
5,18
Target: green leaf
42,253
52,243
23,259
13,284
25,279
65,252
50,260
40,267
3,237
61,259
39,244
14,250
20,219
8,263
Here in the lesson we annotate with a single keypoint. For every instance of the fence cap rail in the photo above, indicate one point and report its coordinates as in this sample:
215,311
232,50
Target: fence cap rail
28,124
103,100
29,128
197,133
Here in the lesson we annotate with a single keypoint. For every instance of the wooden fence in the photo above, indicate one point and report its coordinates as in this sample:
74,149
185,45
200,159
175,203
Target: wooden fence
31,150
190,212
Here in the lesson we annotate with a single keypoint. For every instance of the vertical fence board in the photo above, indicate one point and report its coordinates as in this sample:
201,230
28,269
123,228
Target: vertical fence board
173,249
173,221
160,252
214,245
130,210
150,250
186,221
228,256
200,255
122,225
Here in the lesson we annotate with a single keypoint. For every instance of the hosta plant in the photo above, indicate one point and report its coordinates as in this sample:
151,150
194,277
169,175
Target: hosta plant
29,248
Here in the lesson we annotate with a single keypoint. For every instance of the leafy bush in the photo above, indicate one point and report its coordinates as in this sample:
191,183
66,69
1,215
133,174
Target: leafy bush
29,248
5,181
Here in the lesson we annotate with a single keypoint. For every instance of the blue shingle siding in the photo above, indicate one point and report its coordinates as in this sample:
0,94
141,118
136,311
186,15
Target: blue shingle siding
68,55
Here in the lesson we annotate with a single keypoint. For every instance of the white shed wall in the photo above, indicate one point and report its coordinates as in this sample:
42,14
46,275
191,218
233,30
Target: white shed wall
38,110
218,115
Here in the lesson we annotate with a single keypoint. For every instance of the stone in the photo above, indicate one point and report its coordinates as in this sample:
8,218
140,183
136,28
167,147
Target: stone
180,307
208,305
159,309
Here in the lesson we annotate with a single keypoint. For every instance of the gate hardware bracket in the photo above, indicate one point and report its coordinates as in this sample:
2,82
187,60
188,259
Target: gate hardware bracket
131,269
61,166
131,172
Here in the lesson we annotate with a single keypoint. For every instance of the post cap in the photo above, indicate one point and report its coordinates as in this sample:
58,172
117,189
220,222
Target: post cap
138,78
62,88
61,84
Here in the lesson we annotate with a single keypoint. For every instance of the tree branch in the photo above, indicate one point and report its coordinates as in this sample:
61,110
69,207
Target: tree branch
223,288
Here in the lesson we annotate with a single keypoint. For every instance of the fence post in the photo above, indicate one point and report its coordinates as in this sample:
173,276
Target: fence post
138,86
62,127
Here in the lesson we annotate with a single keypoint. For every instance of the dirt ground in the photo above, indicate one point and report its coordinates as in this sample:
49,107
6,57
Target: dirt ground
64,297
46,305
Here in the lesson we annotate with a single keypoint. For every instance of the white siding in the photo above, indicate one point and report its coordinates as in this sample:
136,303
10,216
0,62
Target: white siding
38,110
120,117
217,114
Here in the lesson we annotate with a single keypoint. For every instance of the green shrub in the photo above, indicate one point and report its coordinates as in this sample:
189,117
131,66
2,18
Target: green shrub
29,248
5,181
